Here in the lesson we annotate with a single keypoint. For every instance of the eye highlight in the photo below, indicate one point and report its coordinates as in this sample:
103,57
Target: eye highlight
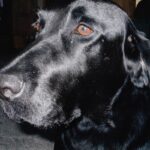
83,30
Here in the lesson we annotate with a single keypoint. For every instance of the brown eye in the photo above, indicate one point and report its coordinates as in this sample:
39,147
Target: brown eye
83,30
37,26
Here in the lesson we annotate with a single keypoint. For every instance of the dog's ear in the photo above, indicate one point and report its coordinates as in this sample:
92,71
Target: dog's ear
136,56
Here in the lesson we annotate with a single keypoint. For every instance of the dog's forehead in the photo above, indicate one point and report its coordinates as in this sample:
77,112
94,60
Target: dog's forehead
105,14
108,14
99,9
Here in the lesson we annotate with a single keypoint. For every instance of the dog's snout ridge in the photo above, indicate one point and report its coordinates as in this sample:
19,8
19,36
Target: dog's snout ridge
10,85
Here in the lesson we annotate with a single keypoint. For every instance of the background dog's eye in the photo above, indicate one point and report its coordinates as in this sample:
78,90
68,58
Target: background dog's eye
38,25
83,30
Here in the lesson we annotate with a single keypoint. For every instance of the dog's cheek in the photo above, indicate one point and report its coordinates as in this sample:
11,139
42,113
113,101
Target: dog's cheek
93,50
41,106
44,110
93,56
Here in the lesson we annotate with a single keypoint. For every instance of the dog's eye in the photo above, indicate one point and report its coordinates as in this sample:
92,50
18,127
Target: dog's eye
83,30
38,25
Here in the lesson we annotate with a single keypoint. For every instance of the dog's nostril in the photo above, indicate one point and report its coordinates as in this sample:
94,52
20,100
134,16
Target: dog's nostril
10,85
7,92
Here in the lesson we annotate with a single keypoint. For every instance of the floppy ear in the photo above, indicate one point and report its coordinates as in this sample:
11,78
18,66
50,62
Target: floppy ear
136,56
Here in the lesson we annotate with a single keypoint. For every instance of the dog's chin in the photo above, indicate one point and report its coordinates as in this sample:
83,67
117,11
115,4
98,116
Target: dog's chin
20,113
51,121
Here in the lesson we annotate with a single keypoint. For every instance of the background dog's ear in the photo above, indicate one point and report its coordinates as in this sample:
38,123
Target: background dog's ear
136,56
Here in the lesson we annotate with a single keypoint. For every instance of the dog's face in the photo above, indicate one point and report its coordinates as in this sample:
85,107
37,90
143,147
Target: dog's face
79,50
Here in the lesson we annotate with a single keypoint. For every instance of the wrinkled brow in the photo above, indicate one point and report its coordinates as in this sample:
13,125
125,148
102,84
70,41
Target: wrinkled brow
79,13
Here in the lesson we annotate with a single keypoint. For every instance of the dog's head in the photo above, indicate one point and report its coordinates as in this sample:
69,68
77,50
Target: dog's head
75,65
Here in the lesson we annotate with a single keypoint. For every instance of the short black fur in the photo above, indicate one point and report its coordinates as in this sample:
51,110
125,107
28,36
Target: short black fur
94,87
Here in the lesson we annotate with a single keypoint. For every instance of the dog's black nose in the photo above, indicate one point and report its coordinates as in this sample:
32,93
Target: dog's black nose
10,86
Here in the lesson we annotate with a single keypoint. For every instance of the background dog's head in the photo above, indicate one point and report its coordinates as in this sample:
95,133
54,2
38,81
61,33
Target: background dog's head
75,66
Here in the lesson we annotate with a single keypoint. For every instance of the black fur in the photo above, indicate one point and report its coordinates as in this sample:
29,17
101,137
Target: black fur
96,86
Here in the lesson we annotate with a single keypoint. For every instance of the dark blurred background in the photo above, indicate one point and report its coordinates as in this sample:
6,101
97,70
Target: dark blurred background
16,17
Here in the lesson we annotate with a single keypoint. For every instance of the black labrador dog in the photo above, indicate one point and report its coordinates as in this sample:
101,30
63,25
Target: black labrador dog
87,71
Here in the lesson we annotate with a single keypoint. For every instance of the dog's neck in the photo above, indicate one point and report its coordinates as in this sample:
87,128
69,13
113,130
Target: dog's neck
117,120
102,94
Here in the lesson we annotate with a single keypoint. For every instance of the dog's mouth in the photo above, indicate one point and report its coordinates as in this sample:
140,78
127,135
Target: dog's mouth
21,111
18,113
9,111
